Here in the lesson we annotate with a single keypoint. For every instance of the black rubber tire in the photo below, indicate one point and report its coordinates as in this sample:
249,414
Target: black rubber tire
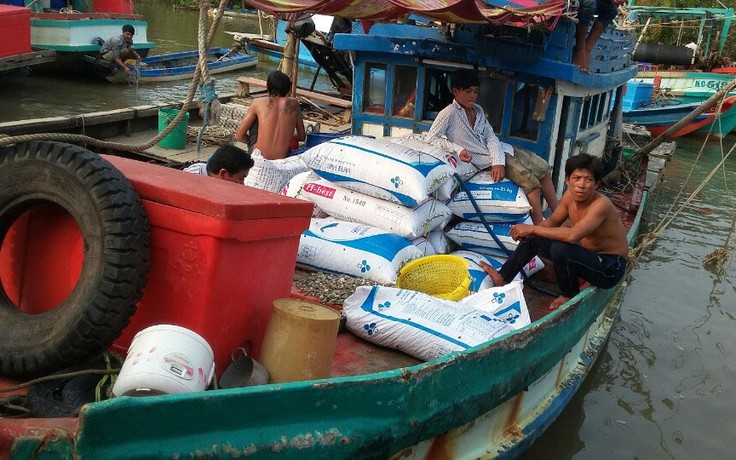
116,237
65,397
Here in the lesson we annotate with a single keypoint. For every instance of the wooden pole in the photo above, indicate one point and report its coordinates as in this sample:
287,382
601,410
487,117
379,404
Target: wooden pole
615,175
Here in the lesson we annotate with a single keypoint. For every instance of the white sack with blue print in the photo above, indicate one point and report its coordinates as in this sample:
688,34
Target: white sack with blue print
501,201
352,206
480,280
358,250
473,236
427,327
464,170
378,168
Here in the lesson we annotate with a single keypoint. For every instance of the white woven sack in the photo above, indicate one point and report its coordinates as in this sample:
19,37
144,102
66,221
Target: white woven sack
500,201
505,302
424,246
473,236
418,324
480,280
464,170
439,241
353,249
273,175
293,189
378,168
352,206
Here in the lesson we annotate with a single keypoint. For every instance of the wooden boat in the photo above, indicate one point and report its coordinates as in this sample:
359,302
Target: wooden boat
176,66
686,86
16,52
664,112
73,35
725,70
492,400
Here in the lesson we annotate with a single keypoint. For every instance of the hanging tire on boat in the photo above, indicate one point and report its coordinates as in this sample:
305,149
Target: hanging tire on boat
115,234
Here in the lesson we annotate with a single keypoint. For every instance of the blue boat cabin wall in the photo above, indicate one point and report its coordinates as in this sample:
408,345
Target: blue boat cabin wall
401,82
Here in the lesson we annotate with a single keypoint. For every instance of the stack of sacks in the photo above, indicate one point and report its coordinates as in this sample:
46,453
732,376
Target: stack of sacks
383,187
427,327
502,204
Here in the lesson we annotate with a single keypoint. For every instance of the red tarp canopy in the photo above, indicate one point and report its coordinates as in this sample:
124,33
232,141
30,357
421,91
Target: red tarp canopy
517,12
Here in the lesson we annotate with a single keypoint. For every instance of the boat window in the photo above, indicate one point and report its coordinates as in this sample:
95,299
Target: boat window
437,94
595,101
374,97
491,97
586,113
522,123
602,107
405,91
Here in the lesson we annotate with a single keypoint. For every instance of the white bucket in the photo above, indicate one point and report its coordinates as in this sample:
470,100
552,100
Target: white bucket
165,359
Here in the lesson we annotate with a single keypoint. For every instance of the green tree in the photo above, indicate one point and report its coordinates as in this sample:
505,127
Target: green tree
674,33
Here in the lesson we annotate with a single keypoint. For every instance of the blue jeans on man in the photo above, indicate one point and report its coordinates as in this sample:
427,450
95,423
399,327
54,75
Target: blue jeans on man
570,262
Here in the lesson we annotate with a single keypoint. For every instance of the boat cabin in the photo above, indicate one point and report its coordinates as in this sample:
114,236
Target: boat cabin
534,97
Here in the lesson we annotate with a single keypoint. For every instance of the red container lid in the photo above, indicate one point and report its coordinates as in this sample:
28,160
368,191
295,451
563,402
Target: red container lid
206,195
9,10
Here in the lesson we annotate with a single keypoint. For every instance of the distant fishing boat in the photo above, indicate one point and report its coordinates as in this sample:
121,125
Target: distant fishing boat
687,86
176,66
658,115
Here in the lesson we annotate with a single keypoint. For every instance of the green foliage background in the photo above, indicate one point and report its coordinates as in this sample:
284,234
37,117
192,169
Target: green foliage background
669,34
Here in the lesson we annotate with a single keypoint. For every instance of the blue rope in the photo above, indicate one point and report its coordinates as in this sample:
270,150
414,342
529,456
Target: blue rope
208,94
495,238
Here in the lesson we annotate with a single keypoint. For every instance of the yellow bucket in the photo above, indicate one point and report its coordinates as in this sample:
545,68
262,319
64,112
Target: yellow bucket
443,276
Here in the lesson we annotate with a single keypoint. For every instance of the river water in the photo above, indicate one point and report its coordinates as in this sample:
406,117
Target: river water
39,95
664,385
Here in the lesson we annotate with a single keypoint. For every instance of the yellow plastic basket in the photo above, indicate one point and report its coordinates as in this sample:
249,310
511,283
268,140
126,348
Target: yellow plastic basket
443,276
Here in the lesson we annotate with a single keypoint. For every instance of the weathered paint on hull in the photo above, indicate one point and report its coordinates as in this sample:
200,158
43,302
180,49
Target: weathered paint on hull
688,86
660,119
491,401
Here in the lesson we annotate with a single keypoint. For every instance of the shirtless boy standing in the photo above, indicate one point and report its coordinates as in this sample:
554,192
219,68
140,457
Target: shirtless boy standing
279,119
594,248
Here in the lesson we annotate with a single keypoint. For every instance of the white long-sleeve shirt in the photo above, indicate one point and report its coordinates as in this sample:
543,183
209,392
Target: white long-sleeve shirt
451,131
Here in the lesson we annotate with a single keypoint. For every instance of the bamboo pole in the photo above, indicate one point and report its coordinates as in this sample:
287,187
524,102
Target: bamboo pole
615,175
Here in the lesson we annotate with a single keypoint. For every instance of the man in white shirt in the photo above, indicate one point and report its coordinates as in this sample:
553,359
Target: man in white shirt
462,127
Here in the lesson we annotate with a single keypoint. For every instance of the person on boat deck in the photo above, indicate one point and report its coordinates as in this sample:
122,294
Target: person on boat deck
584,40
120,48
594,248
229,163
279,120
462,127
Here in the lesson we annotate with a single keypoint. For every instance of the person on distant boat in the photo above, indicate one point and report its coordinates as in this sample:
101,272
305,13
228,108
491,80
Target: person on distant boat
120,48
594,248
469,134
279,120
229,163
584,41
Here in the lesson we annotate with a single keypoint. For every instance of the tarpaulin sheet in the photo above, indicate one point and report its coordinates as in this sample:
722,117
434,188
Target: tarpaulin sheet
516,12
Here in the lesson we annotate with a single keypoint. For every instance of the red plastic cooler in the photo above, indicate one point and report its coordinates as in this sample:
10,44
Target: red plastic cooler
113,6
221,253
15,24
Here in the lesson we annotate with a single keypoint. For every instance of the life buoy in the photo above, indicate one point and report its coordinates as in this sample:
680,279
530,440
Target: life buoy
115,232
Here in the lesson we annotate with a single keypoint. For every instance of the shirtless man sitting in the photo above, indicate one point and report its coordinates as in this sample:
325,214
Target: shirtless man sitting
279,119
594,248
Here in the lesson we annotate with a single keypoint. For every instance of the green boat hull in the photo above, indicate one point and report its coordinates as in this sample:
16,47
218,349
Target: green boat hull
492,400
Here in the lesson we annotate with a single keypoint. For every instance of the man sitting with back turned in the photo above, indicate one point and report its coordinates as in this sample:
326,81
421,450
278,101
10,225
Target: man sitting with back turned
470,135
229,163
279,119
118,49
594,248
